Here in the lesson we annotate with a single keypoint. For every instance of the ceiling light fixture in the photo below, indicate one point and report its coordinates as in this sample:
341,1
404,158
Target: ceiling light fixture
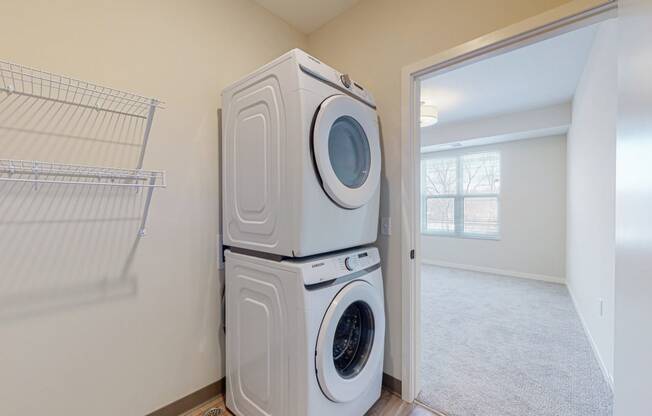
429,115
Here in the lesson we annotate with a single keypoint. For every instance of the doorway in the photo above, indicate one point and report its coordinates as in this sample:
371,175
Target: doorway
450,219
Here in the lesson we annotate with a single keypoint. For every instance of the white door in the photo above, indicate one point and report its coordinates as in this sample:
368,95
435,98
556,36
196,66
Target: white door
349,349
346,146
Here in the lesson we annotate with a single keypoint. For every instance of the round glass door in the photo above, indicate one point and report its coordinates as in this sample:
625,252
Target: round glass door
349,353
346,145
348,151
354,338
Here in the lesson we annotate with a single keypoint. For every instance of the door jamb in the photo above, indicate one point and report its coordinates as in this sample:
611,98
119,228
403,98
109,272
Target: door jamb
562,19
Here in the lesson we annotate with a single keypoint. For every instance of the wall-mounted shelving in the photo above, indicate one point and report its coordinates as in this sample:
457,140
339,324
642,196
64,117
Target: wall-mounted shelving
37,105
59,173
31,82
78,127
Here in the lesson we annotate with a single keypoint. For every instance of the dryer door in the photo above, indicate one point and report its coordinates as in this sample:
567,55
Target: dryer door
346,146
349,351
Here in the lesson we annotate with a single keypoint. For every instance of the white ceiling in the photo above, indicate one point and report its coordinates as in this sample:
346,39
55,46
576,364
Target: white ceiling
307,15
535,76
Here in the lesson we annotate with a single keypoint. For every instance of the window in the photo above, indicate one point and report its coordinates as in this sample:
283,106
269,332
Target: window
460,194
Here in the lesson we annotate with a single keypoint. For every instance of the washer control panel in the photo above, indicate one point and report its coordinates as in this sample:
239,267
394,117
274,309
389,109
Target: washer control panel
351,263
326,268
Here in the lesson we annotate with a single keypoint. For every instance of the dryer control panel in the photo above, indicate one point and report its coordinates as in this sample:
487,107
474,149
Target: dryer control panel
325,73
327,268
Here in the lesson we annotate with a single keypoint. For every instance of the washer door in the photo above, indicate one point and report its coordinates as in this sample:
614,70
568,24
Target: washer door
347,150
349,353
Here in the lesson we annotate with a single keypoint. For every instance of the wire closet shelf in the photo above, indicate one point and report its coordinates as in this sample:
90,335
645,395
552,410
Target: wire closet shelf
23,80
73,118
59,173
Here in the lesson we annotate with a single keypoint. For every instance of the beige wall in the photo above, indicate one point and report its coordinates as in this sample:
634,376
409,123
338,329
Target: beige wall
592,194
132,353
372,42
161,342
532,215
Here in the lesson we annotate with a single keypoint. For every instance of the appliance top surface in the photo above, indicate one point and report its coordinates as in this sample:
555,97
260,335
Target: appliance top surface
330,76
313,67
327,267
321,268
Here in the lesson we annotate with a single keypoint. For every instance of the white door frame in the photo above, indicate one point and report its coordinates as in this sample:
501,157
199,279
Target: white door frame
565,18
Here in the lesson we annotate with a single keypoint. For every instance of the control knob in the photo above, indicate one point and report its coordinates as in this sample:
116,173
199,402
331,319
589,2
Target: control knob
350,263
346,80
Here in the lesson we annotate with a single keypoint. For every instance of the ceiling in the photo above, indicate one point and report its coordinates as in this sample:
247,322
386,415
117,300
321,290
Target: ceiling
535,76
307,15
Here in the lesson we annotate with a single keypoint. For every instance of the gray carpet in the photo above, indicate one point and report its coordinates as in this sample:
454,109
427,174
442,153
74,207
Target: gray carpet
502,346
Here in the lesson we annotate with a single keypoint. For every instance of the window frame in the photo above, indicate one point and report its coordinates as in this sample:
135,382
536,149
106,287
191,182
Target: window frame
459,197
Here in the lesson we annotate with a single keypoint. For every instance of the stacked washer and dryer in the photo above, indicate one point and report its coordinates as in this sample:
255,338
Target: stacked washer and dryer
305,318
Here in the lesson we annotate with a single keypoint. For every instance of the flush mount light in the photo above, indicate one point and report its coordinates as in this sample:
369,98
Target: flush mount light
429,115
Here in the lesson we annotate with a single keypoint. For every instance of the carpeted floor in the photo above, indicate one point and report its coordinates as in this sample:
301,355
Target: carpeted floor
503,346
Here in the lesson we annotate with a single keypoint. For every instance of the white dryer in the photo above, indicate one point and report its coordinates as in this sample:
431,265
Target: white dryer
301,160
304,337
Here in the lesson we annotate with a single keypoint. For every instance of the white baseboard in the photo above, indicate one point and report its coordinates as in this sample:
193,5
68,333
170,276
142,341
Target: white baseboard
594,346
510,273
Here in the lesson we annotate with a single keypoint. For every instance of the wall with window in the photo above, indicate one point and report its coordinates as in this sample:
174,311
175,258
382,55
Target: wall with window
507,214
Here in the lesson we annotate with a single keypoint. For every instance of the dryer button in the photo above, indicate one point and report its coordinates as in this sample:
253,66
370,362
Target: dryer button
346,80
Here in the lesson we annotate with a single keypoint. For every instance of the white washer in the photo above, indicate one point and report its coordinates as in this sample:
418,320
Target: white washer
304,337
301,160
